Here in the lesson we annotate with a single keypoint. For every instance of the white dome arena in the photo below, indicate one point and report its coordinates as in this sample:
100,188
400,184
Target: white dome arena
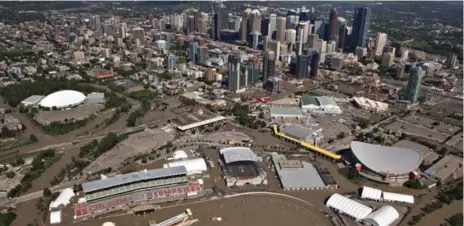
62,99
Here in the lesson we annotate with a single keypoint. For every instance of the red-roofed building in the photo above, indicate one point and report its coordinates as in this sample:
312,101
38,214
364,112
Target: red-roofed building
100,74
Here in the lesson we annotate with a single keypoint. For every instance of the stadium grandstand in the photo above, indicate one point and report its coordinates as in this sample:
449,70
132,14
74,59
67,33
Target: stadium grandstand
305,144
122,191
240,166
388,165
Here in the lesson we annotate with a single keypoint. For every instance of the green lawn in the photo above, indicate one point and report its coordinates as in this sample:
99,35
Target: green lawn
142,95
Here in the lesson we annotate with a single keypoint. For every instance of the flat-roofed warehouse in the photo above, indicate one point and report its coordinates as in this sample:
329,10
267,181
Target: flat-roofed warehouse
391,165
310,134
446,167
32,100
241,167
296,174
285,112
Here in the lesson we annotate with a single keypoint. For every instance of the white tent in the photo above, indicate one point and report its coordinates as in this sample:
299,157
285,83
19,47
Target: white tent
371,193
350,207
179,155
384,216
396,197
63,199
55,217
193,166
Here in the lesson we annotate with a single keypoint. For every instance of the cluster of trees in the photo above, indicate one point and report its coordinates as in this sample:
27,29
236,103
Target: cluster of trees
413,184
7,218
451,193
17,161
43,203
143,95
41,162
415,219
72,169
57,128
455,220
241,113
95,148
134,115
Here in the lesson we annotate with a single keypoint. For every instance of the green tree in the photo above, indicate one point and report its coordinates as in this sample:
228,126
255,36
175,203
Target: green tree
33,138
47,192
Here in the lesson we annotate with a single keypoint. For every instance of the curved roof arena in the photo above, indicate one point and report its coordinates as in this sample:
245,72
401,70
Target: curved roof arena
62,99
386,160
238,154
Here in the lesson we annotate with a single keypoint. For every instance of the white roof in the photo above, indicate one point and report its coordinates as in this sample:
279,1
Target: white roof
179,155
193,166
202,123
396,197
62,99
384,216
371,193
55,217
386,160
237,154
63,199
348,206
108,224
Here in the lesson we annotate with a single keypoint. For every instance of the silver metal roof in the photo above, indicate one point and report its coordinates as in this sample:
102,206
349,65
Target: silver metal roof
133,177
237,154
291,111
298,131
305,177
386,160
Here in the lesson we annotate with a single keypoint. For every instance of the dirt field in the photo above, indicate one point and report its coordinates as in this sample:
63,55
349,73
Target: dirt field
427,122
244,211
438,217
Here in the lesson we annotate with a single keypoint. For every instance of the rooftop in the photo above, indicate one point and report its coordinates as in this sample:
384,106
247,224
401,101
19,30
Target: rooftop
133,177
386,160
237,154
308,100
291,111
299,131
295,174
445,167
324,100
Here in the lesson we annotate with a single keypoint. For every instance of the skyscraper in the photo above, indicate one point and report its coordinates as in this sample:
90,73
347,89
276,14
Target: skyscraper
314,64
244,28
281,27
303,67
300,38
414,83
190,24
265,26
237,81
220,21
342,35
96,22
361,20
290,36
255,21
452,60
380,42
193,52
138,33
333,25
269,63
272,24
171,62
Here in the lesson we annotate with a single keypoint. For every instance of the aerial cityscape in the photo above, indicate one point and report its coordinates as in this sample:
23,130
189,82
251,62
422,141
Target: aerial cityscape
231,113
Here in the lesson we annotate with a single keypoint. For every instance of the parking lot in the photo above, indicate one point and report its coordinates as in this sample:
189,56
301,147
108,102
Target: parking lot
431,124
416,130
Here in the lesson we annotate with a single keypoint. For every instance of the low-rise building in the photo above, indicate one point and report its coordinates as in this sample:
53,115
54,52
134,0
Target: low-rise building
370,105
320,104
32,100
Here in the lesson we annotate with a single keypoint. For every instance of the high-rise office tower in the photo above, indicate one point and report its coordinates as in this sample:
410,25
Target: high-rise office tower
397,46
67,31
340,22
193,52
255,36
122,30
387,58
220,21
281,27
96,22
269,64
342,35
333,25
253,67
171,62
452,60
244,28
300,38
361,20
255,21
290,36
314,64
203,53
319,28
138,33
237,81
190,24
303,66
272,24
414,84
265,26
380,42
197,17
